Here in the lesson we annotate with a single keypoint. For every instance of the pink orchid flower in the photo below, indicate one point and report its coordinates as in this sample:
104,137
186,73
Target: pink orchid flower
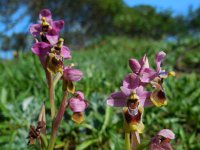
78,105
142,69
132,81
42,50
47,28
132,97
72,74
158,95
160,56
161,140
132,101
121,99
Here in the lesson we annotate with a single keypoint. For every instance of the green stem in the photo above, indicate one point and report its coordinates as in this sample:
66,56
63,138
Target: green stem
52,140
127,141
106,121
51,93
44,140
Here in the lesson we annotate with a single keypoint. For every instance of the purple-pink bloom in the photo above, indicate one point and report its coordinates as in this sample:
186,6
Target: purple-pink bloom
138,66
159,58
71,74
161,140
42,49
166,133
120,99
141,69
46,25
77,103
131,82
47,14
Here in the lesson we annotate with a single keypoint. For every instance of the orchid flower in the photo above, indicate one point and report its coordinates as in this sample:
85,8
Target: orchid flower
51,56
161,140
158,97
71,75
132,81
132,99
78,105
141,69
47,28
132,109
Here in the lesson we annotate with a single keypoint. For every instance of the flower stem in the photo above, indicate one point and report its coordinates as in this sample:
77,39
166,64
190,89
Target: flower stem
44,140
52,140
51,93
57,120
106,120
127,141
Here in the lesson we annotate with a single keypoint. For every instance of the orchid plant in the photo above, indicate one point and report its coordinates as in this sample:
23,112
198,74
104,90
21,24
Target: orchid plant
134,97
52,52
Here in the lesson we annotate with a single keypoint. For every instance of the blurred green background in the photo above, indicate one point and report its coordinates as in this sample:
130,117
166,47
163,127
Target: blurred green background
103,36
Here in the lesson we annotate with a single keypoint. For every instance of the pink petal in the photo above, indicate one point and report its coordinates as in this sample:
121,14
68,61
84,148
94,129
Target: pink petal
77,105
58,25
125,90
144,96
166,146
72,74
65,52
148,75
52,36
159,58
144,63
43,60
47,14
80,95
117,99
134,65
41,48
157,145
167,134
131,81
35,29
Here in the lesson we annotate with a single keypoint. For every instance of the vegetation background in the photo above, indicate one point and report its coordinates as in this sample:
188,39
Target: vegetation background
103,36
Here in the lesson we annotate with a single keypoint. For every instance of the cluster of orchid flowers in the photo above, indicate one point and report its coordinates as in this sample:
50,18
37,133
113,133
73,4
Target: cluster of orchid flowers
133,97
52,52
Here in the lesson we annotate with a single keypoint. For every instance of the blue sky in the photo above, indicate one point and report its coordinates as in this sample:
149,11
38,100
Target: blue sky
177,6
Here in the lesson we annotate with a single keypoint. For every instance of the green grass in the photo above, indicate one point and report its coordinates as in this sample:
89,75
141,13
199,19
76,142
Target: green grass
104,63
